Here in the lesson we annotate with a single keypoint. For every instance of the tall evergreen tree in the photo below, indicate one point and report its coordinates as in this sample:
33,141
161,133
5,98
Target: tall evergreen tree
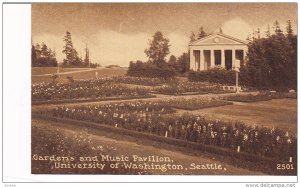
276,28
192,37
258,33
33,56
45,52
201,33
71,53
289,29
268,32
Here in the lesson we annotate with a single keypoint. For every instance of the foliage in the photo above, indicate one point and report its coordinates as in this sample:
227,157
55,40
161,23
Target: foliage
272,61
158,49
42,56
72,59
201,33
180,64
213,75
150,117
140,69
249,98
141,80
197,103
112,66
184,87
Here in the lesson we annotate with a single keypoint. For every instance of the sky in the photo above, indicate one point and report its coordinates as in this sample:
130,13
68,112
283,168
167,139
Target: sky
117,33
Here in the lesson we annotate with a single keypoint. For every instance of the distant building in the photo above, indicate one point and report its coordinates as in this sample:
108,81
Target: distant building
216,49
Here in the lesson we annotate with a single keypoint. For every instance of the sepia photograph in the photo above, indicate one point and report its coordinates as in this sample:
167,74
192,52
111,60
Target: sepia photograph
164,89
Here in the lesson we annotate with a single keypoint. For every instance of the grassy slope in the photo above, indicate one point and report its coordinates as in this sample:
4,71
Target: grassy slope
102,72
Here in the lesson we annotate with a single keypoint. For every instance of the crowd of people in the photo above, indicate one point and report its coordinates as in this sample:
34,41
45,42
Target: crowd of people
104,87
157,118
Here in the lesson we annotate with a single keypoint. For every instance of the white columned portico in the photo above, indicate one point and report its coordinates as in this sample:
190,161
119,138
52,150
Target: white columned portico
223,58
216,41
212,58
233,58
201,59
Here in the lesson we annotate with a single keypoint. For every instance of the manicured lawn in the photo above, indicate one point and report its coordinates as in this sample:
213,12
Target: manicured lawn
280,113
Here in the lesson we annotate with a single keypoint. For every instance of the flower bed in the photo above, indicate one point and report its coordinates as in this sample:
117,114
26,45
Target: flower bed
142,80
184,87
50,141
100,88
248,98
197,103
239,159
155,118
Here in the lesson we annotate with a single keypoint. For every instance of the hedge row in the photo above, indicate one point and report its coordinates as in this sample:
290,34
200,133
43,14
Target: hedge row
214,75
151,70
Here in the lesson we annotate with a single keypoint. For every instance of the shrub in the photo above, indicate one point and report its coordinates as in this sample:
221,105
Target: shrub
140,69
215,75
249,98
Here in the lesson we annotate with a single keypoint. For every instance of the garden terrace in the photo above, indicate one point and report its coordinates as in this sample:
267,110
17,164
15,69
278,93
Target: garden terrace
157,119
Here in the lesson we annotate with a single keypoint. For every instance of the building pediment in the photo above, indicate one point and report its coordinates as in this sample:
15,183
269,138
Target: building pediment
218,39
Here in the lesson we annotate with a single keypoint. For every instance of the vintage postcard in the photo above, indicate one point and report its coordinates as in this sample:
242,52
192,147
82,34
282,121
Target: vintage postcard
164,88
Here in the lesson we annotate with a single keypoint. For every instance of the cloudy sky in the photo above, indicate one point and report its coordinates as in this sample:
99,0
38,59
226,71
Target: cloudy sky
118,33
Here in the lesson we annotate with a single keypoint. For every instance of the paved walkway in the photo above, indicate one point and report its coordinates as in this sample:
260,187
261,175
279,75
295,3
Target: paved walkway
64,73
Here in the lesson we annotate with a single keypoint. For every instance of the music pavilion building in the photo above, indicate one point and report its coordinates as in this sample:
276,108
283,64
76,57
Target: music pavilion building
216,49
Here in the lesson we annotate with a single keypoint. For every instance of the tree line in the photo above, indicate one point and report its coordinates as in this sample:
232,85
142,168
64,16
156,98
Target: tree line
272,59
42,56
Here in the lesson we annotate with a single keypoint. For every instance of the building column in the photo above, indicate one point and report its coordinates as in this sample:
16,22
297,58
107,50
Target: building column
212,58
201,60
244,55
233,58
192,60
223,59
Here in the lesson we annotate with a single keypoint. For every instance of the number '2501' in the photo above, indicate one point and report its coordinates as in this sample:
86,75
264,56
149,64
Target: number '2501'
285,167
